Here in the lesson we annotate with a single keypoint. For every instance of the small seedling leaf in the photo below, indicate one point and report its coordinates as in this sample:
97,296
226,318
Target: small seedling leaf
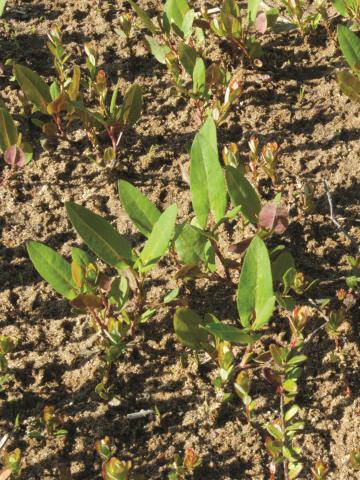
141,211
230,333
33,86
187,326
131,108
158,241
242,194
255,291
107,244
53,268
207,185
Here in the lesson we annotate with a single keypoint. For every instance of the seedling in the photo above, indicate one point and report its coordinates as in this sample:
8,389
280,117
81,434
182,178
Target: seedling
63,100
241,28
212,90
112,467
51,424
320,470
12,464
184,466
297,13
266,158
106,300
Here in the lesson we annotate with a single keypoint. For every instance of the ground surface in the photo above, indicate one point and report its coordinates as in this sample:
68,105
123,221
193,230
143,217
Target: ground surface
54,362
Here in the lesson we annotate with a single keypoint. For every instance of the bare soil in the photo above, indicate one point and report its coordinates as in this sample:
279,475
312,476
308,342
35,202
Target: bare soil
55,364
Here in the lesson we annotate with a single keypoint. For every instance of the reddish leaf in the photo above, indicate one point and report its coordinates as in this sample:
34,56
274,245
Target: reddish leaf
261,23
14,156
274,217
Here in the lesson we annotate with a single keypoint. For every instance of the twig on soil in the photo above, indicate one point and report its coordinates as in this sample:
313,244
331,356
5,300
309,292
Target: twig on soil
140,414
334,220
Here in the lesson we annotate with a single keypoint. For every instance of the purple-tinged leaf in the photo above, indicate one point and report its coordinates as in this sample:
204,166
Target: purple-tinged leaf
261,23
14,156
274,217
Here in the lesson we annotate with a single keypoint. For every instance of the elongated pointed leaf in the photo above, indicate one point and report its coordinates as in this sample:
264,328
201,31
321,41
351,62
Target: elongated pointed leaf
159,51
141,211
106,242
199,76
33,86
175,11
132,106
2,7
349,44
53,268
350,85
8,131
230,333
207,184
187,326
187,57
253,8
158,242
242,194
255,296
144,17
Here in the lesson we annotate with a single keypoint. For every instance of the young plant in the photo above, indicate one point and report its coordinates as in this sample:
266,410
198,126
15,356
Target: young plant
112,467
184,466
241,28
212,89
349,81
51,424
266,158
106,299
297,12
12,464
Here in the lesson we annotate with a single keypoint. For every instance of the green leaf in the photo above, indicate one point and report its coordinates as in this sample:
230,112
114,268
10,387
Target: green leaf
33,86
289,414
349,44
207,185
8,130
349,84
187,326
80,257
159,51
106,242
141,211
190,244
158,242
187,23
290,386
144,17
53,268
131,107
340,6
242,194
188,57
275,431
281,265
230,333
175,11
253,8
2,7
199,76
255,296
171,295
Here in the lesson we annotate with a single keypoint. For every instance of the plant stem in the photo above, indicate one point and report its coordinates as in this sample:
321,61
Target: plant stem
282,421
